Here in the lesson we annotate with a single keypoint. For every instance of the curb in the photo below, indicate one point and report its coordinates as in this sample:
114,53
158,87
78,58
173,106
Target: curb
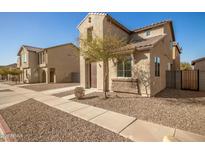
6,131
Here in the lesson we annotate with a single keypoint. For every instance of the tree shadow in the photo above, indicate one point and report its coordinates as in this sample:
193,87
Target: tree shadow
89,97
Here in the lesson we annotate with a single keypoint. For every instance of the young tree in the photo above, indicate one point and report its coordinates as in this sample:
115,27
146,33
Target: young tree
4,72
185,66
102,49
15,73
142,74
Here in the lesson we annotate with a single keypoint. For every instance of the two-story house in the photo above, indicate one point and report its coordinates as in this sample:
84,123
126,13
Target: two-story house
150,51
51,65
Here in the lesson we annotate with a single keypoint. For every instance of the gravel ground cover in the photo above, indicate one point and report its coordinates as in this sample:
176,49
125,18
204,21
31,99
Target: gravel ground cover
174,108
44,86
35,121
62,94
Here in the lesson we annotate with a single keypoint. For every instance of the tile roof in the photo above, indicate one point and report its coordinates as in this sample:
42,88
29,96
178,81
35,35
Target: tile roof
152,25
71,44
34,49
197,60
145,44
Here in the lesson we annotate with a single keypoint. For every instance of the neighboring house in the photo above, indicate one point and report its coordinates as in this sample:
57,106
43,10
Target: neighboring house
199,64
51,65
150,51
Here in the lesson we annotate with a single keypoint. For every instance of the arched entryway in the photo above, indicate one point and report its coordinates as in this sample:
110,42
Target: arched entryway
43,76
52,75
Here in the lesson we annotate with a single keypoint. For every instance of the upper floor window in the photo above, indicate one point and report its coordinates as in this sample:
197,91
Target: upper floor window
42,57
90,34
147,33
24,58
89,19
124,67
157,66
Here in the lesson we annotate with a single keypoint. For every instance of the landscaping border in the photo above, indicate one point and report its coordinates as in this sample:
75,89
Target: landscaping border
6,131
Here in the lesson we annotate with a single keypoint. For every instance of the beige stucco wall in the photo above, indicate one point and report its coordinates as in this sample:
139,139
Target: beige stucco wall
97,25
65,59
112,72
109,29
101,27
141,71
28,67
83,74
33,65
140,64
159,83
153,32
176,58
200,65
24,51
143,61
165,52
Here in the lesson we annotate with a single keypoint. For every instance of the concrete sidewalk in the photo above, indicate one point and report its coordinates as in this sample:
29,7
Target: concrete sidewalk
129,127
59,90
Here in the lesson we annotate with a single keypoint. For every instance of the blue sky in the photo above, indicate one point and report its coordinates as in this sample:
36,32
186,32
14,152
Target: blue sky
48,29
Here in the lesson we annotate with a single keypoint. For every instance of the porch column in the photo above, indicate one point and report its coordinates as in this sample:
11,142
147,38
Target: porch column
47,75
83,72
132,64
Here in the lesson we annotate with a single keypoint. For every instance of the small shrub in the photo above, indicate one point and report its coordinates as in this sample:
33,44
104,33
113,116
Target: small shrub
79,92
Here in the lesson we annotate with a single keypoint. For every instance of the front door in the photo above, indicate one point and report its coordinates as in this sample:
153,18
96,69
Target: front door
93,75
43,76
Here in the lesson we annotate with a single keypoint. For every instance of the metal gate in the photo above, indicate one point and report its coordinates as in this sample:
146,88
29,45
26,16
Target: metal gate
190,80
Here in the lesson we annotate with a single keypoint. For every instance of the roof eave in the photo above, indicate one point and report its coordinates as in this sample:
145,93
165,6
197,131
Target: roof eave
18,54
197,60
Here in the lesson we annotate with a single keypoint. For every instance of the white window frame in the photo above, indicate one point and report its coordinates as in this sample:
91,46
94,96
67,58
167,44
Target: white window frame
24,58
123,70
157,66
147,33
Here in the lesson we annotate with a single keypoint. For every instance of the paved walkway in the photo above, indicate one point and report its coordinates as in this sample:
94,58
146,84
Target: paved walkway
59,90
129,127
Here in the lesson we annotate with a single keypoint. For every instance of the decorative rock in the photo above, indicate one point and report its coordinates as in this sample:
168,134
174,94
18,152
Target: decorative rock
79,92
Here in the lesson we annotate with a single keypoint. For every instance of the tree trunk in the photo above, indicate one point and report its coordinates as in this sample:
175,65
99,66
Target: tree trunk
105,81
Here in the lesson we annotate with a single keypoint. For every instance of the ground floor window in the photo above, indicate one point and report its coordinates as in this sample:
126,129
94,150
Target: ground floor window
157,66
124,67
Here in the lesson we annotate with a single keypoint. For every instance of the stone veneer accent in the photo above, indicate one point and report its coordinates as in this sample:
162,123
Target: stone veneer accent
127,85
